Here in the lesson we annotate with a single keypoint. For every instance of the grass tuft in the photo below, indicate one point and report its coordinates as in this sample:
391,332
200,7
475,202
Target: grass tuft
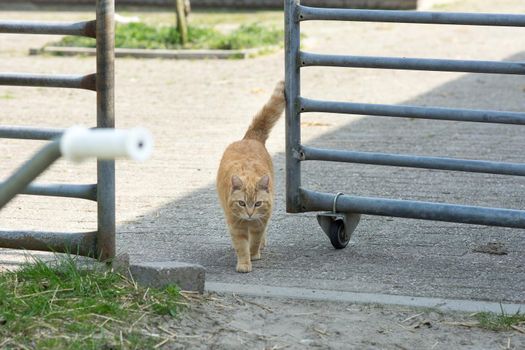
64,306
146,36
501,321
250,36
7,96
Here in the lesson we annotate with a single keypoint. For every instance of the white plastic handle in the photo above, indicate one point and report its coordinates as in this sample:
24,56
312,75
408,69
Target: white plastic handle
79,143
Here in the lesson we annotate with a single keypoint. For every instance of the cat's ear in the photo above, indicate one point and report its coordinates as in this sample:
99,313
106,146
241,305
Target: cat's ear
264,184
236,183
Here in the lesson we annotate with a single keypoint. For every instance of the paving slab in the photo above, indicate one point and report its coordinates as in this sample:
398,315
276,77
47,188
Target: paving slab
188,277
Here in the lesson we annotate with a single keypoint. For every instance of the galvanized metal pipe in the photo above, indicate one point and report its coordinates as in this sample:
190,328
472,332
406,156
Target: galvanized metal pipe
293,87
102,82
439,163
60,81
82,243
306,13
106,119
59,28
463,115
88,192
29,133
22,177
311,59
319,201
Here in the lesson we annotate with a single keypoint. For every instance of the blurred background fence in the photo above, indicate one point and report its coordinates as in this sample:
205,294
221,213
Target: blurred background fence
241,4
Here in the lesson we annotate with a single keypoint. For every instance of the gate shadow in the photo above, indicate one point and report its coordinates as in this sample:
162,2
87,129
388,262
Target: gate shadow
386,255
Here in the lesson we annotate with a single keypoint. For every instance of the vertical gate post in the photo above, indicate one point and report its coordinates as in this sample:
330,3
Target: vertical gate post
293,124
105,119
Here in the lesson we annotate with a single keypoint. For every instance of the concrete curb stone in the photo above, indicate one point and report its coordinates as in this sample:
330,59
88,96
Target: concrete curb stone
188,277
154,53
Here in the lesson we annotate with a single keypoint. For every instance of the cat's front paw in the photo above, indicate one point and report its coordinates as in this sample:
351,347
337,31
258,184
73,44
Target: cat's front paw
244,267
256,257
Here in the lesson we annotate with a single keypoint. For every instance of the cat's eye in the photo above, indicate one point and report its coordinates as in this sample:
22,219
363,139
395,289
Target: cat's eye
242,203
258,204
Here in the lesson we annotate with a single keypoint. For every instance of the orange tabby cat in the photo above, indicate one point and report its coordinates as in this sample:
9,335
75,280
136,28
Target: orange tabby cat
245,183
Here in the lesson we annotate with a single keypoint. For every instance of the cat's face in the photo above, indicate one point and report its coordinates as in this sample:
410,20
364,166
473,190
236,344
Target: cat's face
250,202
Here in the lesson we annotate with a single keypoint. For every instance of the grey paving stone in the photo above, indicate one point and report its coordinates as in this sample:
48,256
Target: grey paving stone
189,277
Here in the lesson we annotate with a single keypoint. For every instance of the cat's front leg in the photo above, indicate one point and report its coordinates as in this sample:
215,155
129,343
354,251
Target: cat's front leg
241,243
264,241
257,242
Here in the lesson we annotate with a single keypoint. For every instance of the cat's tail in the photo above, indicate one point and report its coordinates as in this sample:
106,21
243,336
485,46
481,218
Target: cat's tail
266,118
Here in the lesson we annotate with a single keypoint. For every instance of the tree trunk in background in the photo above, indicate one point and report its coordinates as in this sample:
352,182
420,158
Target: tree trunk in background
182,25
187,7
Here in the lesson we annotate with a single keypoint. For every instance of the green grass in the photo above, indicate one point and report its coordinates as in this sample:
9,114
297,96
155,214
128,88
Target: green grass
62,306
229,16
7,96
146,36
501,321
215,17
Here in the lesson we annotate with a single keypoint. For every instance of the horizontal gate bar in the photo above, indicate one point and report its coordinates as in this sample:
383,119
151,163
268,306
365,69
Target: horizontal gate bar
88,192
306,13
29,133
437,113
439,163
58,28
319,201
311,59
62,81
23,176
82,243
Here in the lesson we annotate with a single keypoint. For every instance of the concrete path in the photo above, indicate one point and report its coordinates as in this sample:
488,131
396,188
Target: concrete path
167,207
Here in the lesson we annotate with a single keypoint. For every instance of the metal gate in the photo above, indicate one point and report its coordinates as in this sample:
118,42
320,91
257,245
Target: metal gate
345,210
101,243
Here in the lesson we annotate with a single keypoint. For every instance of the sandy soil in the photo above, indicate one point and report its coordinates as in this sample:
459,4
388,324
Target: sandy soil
235,322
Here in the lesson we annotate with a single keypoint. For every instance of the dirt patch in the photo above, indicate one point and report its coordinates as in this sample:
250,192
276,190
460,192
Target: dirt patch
219,321
496,248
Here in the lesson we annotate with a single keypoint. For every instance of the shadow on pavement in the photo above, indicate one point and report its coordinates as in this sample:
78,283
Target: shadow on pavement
388,255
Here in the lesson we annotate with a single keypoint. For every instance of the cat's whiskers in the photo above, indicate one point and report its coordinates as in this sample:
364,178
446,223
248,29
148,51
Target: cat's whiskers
238,219
259,220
